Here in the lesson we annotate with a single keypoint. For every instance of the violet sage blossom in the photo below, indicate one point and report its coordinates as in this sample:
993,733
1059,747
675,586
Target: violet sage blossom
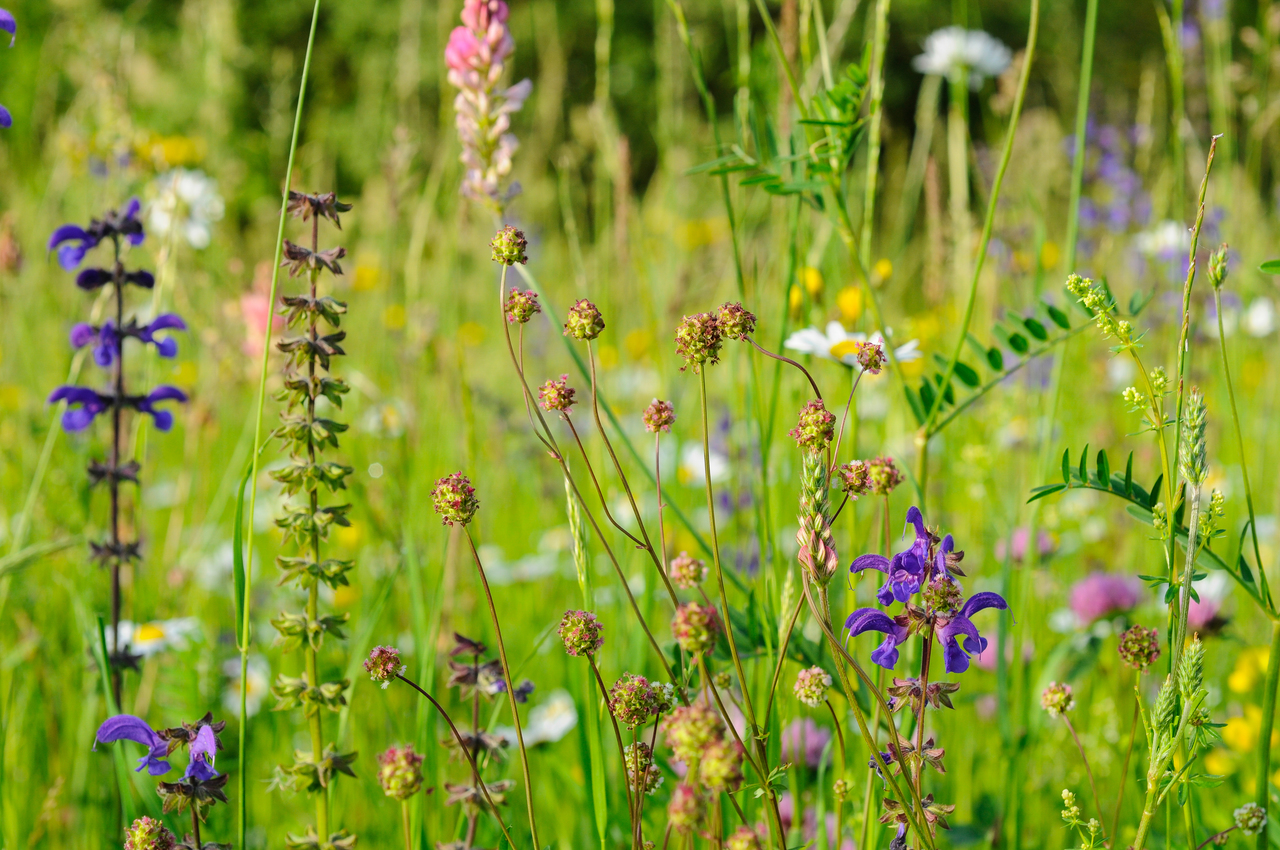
106,339
10,25
84,405
930,567
72,242
476,57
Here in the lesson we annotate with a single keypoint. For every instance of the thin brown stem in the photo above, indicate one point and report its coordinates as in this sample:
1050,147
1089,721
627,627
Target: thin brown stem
511,689
604,504
839,734
782,658
1093,786
767,353
462,747
844,420
195,824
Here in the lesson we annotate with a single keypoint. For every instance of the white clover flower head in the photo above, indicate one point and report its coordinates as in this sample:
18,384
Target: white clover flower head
960,54
186,203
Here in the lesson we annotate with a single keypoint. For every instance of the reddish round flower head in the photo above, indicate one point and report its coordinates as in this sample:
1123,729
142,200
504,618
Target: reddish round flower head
455,499
686,809
1057,699
521,306
745,838
632,700
698,341
383,664
509,245
690,729
854,478
687,572
720,768
556,395
736,322
816,428
694,627
812,685
1139,647
883,476
400,772
870,356
584,322
641,770
148,834
581,632
1101,594
659,416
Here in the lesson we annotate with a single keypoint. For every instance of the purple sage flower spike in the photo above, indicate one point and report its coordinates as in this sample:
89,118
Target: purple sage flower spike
204,749
72,242
126,727
83,404
956,654
875,620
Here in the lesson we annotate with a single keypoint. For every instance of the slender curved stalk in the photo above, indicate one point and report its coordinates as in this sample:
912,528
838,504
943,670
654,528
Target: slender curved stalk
1124,773
1093,785
780,358
875,113
782,657
922,469
466,751
844,760
511,688
1263,776
243,772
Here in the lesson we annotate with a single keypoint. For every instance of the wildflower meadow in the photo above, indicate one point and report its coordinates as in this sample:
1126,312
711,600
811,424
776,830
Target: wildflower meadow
732,424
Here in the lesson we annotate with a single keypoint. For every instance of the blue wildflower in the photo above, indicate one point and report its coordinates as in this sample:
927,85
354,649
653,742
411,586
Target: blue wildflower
84,405
905,571
126,727
10,25
72,241
106,339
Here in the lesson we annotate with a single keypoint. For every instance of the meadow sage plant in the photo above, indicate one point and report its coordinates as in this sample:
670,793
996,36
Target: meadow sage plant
305,430
121,229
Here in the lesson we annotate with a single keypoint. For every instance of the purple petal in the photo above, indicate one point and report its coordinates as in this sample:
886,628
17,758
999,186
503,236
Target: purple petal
9,25
70,256
885,594
167,347
981,602
67,233
135,239
73,395
105,354
954,659
872,619
77,419
956,626
200,769
126,727
82,334
163,419
886,654
6,118
166,393
145,279
903,590
870,561
205,744
914,517
167,320
132,208
89,278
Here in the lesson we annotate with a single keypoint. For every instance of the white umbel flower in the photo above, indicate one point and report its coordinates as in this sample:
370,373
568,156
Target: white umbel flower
186,203
957,53
835,343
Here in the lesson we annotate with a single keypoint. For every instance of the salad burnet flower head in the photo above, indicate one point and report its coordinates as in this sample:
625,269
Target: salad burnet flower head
384,664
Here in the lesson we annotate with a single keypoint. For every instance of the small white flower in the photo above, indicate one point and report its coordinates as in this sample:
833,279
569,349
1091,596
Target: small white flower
957,53
548,722
694,471
186,203
1164,241
1260,319
841,346
147,639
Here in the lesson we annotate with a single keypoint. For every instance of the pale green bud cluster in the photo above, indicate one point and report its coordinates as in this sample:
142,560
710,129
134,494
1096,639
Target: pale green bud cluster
1166,703
1193,461
1191,669
1159,380
1250,818
1218,267
1070,811
1211,520
1136,399
1160,517
1099,302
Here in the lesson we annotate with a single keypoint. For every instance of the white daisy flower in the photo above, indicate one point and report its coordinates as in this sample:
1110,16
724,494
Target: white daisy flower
187,202
147,639
957,53
841,346
259,679
548,722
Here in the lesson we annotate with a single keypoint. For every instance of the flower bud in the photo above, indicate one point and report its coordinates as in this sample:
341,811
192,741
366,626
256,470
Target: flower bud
1057,699
509,247
659,416
1192,454
816,428
1250,819
1139,647
841,789
1166,702
581,632
584,322
686,572
556,395
641,770
690,729
943,596
854,478
698,340
1218,266
883,476
686,808
870,356
812,685
694,627
383,664
745,838
1191,669
455,499
148,834
632,700
521,306
735,321
400,772
721,766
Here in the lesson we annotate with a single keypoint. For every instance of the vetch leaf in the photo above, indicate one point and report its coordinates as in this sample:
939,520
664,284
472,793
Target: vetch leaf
1035,328
1104,468
1270,267
1059,318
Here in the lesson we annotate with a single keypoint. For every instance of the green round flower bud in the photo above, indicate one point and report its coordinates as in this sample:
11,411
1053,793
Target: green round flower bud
400,772
557,395
1057,699
870,356
698,340
509,247
383,664
943,596
584,322
687,572
686,809
148,834
521,306
581,632
721,766
690,729
854,478
643,773
736,322
659,416
1251,819
632,700
883,476
816,428
841,788
455,499
694,627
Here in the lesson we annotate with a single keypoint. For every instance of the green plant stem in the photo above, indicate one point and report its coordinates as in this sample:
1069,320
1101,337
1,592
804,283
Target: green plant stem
511,689
1093,785
1081,131
1244,467
622,754
926,430
1263,776
958,174
880,39
406,824
782,657
243,771
1128,754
